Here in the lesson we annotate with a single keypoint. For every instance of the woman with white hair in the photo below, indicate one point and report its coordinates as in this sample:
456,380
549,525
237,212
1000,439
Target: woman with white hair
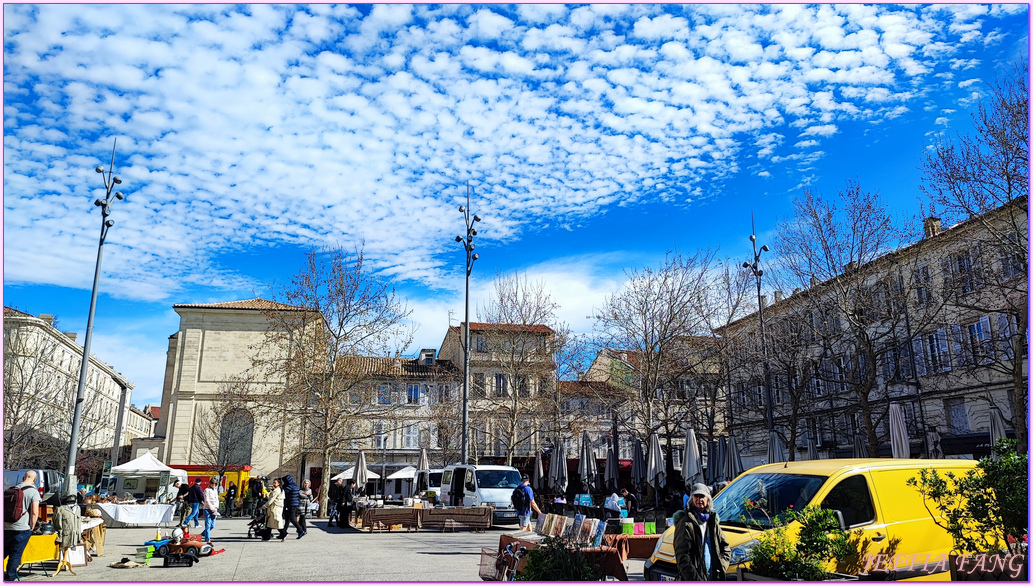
700,548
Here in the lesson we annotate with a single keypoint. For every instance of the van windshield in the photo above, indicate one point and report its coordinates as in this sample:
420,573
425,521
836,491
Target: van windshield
758,499
435,479
498,478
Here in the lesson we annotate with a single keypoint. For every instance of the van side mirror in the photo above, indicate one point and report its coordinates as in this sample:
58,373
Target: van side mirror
839,519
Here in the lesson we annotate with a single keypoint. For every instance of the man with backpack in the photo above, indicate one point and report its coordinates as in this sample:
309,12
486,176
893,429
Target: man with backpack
21,509
523,502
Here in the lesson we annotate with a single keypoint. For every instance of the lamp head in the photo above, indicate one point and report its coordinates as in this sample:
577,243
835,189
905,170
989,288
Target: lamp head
117,179
765,248
753,238
476,218
760,273
99,169
473,232
475,257
98,202
745,265
118,195
462,209
459,238
109,223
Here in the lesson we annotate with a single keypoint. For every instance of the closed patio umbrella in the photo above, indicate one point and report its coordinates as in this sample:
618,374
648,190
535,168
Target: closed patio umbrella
536,472
638,463
711,473
997,428
424,462
656,471
722,458
361,474
776,453
587,466
612,475
558,469
692,463
900,443
812,449
734,465
860,449
932,438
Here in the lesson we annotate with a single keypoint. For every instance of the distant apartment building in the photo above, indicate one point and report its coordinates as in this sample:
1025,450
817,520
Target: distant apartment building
41,375
941,320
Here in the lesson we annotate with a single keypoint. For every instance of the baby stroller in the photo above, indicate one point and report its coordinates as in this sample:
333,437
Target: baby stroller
257,526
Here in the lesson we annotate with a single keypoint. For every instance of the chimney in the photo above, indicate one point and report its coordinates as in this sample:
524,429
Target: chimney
71,335
763,300
47,317
814,280
932,226
778,297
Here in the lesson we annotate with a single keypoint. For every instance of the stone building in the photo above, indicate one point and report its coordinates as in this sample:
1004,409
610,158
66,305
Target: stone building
41,375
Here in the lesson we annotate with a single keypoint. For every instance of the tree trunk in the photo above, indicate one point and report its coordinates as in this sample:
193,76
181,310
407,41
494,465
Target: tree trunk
1020,393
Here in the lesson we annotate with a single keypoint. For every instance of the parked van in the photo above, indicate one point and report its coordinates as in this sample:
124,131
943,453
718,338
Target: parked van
871,496
427,484
472,485
49,483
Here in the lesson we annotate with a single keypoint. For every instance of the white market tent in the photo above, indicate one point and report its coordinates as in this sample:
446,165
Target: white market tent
350,473
146,467
409,472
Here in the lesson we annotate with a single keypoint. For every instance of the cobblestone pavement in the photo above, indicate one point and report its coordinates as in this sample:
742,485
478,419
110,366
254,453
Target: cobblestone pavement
324,554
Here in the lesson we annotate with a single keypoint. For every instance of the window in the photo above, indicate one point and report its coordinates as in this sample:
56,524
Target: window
478,391
935,351
501,385
384,395
480,344
411,437
523,389
412,394
896,363
852,498
977,343
966,271
957,415
379,437
444,394
923,286
1012,266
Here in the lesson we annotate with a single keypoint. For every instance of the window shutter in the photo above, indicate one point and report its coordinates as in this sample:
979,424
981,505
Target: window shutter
1004,336
988,340
916,348
960,352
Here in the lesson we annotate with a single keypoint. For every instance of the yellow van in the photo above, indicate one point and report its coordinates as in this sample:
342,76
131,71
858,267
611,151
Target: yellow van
873,499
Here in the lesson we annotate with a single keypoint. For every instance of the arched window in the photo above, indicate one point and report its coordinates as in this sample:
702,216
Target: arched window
236,435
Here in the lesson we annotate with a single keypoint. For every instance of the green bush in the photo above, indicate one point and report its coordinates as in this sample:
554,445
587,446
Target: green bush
558,559
986,509
778,555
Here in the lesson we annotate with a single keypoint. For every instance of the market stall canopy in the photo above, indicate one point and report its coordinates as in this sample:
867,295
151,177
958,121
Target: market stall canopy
350,473
407,473
147,465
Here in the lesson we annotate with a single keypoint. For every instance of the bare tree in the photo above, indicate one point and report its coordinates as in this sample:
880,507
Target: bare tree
336,311
841,251
649,331
522,337
983,178
224,432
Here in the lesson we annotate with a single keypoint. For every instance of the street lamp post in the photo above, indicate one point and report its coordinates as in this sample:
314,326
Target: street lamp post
110,181
470,258
758,273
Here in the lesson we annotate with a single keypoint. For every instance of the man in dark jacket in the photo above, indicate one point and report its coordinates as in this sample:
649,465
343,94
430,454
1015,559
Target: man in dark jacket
346,503
332,499
231,499
290,507
700,548
194,498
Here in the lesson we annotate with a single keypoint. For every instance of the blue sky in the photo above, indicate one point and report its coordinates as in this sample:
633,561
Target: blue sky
595,137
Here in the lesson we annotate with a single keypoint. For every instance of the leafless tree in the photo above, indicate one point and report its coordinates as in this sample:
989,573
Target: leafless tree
338,311
224,431
983,177
523,338
842,252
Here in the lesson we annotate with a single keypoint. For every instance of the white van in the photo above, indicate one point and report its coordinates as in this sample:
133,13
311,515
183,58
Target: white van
472,485
427,484
49,483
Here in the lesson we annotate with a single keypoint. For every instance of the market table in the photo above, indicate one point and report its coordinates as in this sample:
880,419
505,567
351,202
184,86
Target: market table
385,517
608,558
476,518
122,515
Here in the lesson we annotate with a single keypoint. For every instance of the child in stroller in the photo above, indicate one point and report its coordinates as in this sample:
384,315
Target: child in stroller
257,526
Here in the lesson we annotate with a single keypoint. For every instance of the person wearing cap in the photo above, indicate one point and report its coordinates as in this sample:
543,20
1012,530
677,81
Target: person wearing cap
700,548
524,515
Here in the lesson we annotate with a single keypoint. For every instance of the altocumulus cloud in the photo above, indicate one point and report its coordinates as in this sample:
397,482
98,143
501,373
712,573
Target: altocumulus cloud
308,125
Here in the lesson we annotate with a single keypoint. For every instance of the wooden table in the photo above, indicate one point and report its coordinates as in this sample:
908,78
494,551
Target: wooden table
632,546
475,518
384,517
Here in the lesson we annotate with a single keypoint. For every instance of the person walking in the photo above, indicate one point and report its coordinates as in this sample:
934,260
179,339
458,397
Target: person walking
18,531
291,503
193,499
346,504
231,499
210,506
524,512
304,504
333,498
182,510
274,507
700,548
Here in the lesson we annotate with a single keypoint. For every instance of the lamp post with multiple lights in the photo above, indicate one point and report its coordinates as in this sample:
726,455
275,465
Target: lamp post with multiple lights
470,258
110,181
758,273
